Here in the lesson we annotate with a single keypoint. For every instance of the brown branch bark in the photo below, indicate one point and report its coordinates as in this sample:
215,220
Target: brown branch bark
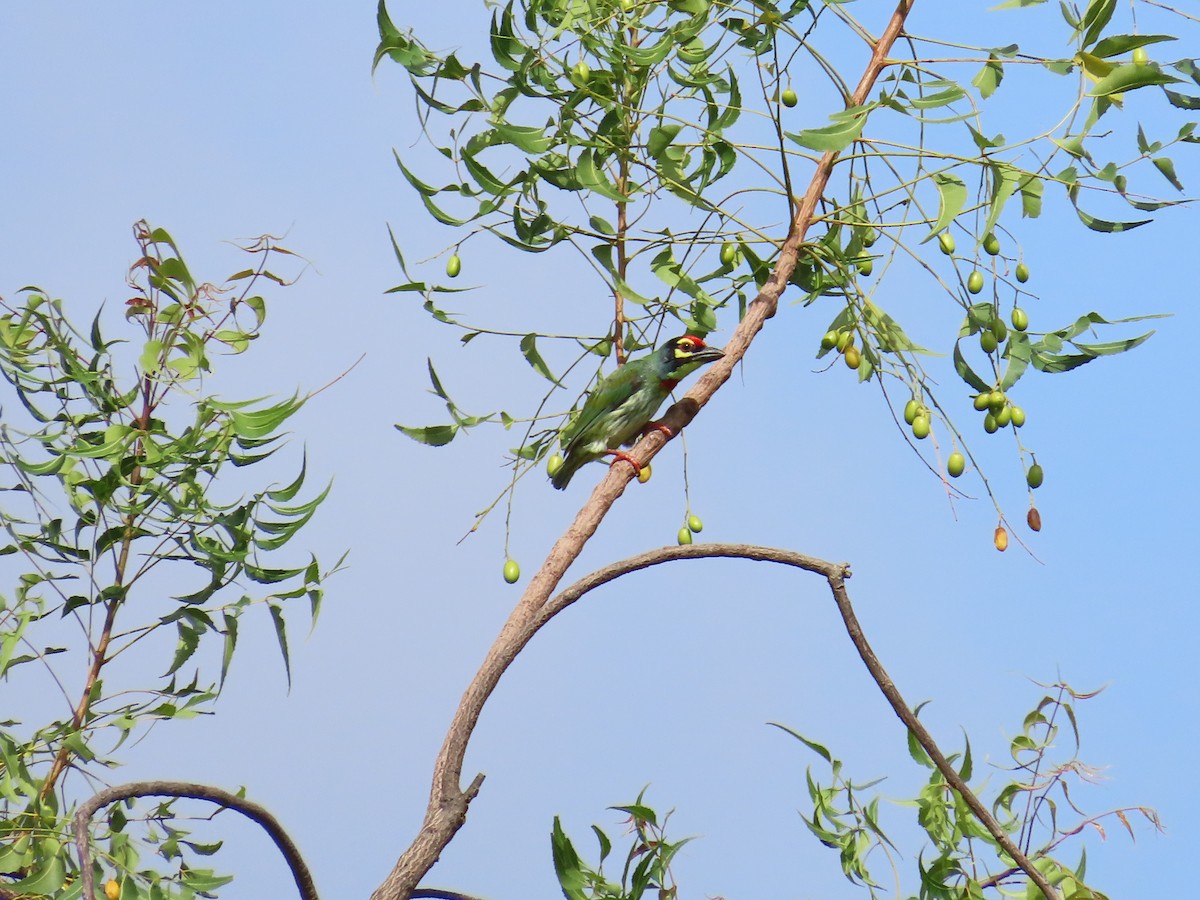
448,802
248,808
835,574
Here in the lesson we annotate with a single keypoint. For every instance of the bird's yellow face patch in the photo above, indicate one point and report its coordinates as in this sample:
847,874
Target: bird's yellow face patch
687,345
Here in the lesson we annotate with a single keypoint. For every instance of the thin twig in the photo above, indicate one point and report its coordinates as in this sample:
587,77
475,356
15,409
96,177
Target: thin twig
248,808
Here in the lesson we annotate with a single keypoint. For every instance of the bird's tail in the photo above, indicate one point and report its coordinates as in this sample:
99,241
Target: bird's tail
562,477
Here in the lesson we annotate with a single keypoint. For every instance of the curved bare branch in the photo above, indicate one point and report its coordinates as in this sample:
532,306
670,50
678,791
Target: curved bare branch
248,808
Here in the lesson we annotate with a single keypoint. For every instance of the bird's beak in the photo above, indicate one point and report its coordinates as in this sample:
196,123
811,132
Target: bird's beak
707,355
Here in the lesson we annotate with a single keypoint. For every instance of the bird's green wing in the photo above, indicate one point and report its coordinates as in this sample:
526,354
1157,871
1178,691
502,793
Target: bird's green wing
609,394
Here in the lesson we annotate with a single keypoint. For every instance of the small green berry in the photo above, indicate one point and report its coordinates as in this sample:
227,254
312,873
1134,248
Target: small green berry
852,357
1022,273
991,245
975,282
1020,318
911,408
694,524
1034,476
512,571
553,464
982,401
789,98
685,536
1018,417
989,423
920,427
453,266
987,341
956,464
829,341
728,253
946,242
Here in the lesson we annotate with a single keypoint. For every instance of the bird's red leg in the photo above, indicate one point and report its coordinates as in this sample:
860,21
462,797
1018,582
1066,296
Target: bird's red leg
666,430
624,456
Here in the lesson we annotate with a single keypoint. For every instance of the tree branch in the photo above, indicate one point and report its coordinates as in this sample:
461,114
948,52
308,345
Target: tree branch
248,808
448,803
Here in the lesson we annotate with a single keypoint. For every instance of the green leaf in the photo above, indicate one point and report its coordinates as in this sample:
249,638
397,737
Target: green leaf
1005,181
433,435
1167,168
989,77
47,879
846,128
567,864
952,197
1031,196
281,634
1130,78
1095,19
528,138
1105,226
1117,44
530,352
816,748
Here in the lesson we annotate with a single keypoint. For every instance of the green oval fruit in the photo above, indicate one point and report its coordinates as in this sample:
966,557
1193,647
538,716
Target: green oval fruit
512,571
1000,330
1020,318
1034,476
1004,416
852,357
983,401
829,341
684,536
996,401
920,427
694,524
987,341
553,464
845,339
644,473
788,98
991,245
1018,417
956,464
911,408
728,253
1022,273
866,267
989,423
869,237
975,282
580,73
453,266
1140,56
946,242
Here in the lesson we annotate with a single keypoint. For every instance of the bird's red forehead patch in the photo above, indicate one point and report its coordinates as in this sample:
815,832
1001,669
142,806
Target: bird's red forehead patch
693,340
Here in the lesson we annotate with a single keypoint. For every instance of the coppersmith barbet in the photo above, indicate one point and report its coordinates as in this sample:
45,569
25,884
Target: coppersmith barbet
622,405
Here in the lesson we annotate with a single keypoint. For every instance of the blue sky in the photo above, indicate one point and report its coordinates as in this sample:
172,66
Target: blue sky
221,121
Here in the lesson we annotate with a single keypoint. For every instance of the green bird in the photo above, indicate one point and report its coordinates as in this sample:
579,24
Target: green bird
622,405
